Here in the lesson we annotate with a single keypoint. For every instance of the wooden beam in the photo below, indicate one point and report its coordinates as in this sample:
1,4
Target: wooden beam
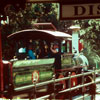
65,1
42,1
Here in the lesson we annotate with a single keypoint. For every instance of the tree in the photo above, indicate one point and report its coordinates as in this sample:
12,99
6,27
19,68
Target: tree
24,19
90,30
90,33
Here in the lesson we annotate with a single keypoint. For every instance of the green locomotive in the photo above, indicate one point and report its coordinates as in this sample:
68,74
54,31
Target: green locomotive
20,72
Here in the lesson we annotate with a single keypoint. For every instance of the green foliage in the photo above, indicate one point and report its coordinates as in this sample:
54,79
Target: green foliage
49,12
24,19
45,13
90,33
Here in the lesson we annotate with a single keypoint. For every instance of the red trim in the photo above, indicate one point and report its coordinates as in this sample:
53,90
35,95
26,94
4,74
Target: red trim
68,69
37,72
80,46
1,66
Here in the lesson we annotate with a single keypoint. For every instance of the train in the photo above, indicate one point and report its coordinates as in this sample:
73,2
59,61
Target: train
20,72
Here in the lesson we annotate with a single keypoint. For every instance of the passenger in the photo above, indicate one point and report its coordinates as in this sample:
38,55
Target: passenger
42,50
54,48
31,53
22,50
55,53
21,54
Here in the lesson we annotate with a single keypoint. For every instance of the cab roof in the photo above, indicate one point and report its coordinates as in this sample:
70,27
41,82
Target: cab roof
38,34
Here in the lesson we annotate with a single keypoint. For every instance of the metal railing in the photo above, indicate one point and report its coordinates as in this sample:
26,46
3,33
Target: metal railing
54,81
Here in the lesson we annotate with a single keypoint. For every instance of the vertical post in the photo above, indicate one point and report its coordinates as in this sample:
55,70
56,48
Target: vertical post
75,38
1,62
60,53
83,88
70,48
1,66
59,46
70,95
94,77
54,86
35,89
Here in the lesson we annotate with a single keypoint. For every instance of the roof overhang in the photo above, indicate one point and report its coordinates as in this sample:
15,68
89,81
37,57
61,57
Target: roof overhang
39,34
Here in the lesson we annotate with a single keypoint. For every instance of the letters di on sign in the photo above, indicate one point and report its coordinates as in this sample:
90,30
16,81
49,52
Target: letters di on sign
80,11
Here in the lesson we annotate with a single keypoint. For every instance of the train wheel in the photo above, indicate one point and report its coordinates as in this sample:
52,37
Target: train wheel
73,80
62,82
92,87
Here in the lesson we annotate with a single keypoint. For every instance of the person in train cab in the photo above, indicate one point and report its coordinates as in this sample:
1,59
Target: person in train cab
54,48
31,54
21,54
43,52
55,53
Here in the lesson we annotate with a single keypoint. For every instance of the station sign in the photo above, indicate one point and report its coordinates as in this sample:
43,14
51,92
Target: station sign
79,11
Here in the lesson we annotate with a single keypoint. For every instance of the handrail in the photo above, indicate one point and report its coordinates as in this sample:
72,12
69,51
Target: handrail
55,81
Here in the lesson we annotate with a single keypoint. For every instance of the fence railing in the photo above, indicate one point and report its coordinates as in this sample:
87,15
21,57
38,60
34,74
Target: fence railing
54,81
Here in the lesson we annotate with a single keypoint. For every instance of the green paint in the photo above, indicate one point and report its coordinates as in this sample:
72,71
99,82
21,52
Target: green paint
25,63
23,69
66,59
26,78
22,79
43,76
